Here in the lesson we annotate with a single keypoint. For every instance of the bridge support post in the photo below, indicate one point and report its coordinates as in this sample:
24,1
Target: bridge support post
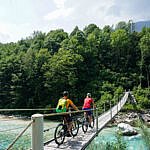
120,104
117,102
37,132
104,106
110,110
96,121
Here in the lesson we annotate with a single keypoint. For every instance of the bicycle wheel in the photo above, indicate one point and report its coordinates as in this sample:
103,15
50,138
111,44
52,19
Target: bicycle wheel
59,134
93,122
84,125
75,128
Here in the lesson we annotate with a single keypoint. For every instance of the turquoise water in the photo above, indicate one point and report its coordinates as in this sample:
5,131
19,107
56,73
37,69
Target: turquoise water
109,135
11,128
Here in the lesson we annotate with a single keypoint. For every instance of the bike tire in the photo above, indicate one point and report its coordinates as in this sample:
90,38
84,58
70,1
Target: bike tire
75,128
59,134
84,125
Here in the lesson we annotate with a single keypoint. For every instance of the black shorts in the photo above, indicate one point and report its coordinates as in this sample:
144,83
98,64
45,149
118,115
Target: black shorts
88,112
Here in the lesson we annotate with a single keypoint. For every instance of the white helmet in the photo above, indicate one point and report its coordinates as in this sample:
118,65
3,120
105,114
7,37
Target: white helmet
89,94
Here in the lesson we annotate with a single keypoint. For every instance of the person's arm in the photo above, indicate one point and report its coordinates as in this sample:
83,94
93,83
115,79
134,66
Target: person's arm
74,107
94,105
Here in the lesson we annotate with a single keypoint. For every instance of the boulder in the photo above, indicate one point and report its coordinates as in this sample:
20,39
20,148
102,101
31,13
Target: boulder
126,129
145,117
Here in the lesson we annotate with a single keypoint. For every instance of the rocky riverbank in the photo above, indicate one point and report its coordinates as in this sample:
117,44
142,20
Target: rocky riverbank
131,118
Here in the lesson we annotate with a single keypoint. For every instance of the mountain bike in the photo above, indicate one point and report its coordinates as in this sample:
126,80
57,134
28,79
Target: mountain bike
86,123
61,131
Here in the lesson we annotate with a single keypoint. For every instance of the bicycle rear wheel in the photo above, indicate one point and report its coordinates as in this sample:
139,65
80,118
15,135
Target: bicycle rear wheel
59,134
84,125
75,128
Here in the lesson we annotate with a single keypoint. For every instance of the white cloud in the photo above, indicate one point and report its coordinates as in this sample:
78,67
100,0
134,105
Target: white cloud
62,12
13,32
22,19
4,33
59,3
4,37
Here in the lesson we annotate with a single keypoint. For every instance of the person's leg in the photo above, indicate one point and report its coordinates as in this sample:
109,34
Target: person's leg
86,115
69,126
90,118
69,122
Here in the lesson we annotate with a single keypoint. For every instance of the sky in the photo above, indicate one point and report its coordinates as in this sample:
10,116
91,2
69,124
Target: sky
20,18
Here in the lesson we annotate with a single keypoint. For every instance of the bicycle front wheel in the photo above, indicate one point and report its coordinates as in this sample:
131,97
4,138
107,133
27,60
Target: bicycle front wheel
59,134
75,128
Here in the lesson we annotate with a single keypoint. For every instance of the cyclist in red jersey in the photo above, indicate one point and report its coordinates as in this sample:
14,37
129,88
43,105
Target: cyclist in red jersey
88,101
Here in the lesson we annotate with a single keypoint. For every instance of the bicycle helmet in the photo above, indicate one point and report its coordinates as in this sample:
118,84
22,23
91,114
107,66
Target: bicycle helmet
65,93
89,94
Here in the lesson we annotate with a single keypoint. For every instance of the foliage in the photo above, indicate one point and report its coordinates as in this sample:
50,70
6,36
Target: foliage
142,97
34,71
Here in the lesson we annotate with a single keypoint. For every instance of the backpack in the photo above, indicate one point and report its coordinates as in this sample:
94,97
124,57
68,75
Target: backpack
61,106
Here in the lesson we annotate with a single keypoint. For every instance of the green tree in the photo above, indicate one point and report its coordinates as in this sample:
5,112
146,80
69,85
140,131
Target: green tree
123,25
145,57
61,73
53,40
120,45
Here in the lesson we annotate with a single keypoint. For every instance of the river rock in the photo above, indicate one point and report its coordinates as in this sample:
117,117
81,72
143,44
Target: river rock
145,117
127,129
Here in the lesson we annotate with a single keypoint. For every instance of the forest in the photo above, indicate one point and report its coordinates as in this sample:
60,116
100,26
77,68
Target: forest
105,62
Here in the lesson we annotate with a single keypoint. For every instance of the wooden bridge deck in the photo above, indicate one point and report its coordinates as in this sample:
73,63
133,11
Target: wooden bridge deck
81,141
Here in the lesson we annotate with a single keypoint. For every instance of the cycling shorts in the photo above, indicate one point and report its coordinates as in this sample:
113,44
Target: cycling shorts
88,112
67,118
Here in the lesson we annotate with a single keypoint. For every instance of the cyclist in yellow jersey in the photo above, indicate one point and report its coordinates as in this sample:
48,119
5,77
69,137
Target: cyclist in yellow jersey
67,118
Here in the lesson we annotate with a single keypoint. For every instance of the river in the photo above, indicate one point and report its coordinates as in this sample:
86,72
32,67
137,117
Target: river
10,128
109,135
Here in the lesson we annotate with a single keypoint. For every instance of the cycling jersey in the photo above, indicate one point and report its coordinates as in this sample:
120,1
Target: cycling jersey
87,102
69,102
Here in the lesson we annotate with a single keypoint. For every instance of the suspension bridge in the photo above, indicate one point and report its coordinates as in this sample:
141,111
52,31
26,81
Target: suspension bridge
79,142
